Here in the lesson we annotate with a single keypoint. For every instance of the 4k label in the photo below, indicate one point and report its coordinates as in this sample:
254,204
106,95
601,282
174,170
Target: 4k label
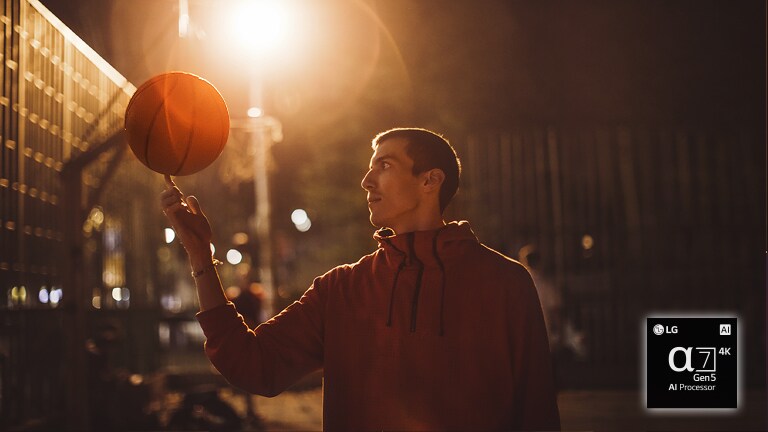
691,362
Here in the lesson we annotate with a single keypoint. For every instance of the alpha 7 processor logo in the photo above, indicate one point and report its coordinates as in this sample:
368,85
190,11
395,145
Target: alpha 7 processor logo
691,362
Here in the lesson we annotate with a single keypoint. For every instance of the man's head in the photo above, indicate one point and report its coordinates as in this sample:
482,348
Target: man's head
412,170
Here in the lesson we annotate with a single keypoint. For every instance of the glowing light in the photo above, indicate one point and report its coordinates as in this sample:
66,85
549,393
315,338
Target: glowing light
587,242
109,277
259,25
232,291
170,234
299,217
22,294
301,220
213,249
171,303
121,295
96,217
240,238
164,334
304,227
183,18
136,379
234,256
96,302
183,25
42,295
254,112
55,296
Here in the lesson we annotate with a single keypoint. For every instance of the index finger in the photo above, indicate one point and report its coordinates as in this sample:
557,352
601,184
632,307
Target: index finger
169,181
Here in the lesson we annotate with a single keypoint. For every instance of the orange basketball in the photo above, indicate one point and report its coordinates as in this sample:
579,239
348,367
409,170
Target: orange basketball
177,123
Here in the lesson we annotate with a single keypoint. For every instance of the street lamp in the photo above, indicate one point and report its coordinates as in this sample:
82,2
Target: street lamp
263,131
257,33
260,27
259,30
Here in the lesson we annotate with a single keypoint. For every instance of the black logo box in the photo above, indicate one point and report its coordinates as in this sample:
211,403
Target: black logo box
700,344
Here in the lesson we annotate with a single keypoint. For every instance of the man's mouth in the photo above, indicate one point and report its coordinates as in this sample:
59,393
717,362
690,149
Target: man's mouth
373,199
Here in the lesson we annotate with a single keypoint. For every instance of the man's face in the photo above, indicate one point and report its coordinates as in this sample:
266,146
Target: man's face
394,193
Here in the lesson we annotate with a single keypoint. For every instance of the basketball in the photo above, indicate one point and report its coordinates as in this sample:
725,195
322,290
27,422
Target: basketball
177,123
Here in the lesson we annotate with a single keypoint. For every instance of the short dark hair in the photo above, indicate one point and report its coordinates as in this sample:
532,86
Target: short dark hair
428,150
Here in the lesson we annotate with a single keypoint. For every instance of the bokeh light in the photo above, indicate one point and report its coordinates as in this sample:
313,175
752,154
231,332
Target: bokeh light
234,256
254,112
170,234
299,216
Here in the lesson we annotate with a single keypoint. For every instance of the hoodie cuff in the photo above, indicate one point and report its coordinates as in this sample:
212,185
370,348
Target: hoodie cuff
216,320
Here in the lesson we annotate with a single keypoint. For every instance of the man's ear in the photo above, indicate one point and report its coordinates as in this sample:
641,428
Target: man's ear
433,179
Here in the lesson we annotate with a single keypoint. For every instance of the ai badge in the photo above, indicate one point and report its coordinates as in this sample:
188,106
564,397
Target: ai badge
691,362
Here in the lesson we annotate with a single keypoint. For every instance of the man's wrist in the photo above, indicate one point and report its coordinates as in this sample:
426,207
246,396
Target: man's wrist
200,260
208,269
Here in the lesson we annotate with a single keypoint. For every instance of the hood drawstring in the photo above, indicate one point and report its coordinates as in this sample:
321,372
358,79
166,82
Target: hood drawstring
442,283
392,294
394,283
415,302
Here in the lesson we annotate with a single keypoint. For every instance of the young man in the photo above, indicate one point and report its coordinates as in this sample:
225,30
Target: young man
432,331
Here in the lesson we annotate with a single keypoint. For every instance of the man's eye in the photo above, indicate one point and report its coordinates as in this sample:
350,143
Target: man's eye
385,165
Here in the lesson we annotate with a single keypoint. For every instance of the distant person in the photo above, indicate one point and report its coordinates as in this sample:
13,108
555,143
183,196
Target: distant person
432,331
565,340
249,302
551,301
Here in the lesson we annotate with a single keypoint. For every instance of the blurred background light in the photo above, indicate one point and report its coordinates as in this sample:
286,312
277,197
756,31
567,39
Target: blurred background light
170,234
301,220
299,216
171,302
239,239
55,296
254,112
305,226
234,256
43,295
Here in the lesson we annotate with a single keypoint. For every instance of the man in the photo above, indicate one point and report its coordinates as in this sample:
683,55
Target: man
432,331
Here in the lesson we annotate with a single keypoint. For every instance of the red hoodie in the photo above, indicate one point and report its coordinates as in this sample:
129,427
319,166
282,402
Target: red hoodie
432,331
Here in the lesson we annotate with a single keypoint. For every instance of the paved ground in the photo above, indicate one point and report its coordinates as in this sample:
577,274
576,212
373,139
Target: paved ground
580,411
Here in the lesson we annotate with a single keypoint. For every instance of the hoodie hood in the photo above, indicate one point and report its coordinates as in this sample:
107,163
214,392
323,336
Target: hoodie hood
426,250
426,246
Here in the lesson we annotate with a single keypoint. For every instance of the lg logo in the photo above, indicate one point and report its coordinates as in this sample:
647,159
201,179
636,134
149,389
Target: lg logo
659,329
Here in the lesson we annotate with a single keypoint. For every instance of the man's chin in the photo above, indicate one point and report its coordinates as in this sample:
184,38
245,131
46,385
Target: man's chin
376,222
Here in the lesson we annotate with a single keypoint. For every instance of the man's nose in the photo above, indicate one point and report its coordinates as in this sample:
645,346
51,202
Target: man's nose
367,182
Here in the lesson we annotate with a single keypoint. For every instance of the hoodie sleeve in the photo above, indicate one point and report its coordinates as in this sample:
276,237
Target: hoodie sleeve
276,354
535,406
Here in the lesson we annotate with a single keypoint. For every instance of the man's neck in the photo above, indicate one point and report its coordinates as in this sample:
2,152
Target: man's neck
422,226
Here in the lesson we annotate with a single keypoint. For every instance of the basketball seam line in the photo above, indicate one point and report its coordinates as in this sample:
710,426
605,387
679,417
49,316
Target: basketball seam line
191,131
152,125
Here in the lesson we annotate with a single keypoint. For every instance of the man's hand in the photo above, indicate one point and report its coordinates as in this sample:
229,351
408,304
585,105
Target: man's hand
189,222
